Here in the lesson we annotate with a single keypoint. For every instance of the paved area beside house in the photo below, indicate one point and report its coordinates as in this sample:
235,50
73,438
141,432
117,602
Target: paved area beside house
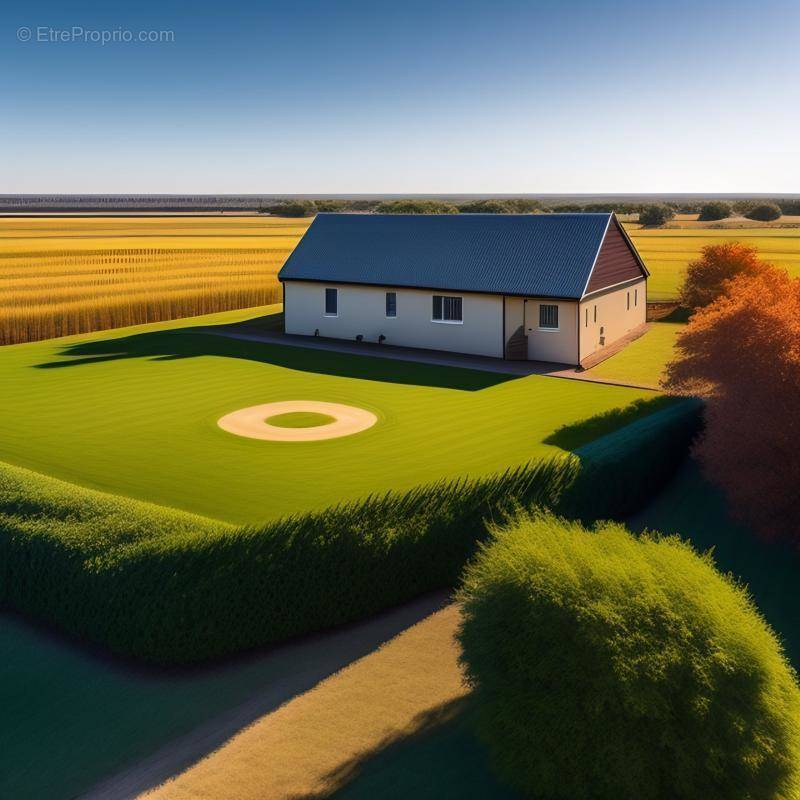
251,333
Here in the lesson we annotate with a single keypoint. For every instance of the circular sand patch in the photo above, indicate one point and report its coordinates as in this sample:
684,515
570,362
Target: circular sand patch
253,422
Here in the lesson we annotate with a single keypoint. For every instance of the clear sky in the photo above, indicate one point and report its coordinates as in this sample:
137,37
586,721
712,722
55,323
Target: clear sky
402,97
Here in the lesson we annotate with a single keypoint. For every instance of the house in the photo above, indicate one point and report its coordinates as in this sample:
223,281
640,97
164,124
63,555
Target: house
544,287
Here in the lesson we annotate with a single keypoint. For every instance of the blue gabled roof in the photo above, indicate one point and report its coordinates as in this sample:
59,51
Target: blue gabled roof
538,255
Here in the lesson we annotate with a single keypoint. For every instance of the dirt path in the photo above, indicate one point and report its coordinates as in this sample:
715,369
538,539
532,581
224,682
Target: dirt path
314,744
309,661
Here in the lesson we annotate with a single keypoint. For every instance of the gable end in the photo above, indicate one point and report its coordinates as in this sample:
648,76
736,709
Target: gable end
617,261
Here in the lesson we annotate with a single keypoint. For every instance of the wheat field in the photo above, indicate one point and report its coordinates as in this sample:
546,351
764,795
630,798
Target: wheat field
67,275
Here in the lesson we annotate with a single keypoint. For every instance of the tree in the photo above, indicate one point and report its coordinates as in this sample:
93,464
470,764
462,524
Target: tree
706,277
716,209
292,208
656,214
742,353
610,666
765,212
486,207
415,207
790,207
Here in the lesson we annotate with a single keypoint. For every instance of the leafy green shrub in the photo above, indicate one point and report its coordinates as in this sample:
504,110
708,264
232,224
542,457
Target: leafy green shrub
716,209
609,667
656,214
166,586
764,212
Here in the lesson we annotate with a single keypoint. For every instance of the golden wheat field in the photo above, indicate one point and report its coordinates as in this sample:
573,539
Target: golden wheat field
65,275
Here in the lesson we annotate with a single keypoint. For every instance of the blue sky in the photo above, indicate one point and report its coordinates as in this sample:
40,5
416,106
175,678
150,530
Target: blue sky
403,97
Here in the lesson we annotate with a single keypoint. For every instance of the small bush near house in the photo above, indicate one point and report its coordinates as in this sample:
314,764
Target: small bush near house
764,212
706,277
716,209
607,666
656,214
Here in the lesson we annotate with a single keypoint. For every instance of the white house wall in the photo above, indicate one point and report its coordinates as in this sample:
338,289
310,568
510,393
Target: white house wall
559,345
614,317
362,310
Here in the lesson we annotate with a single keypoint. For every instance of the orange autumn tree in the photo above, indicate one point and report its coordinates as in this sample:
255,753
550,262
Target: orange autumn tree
705,277
742,353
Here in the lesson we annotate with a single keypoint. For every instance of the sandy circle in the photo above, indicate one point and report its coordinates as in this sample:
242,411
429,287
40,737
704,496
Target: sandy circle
250,422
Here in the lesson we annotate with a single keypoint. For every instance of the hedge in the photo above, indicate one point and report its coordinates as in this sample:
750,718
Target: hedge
168,587
610,666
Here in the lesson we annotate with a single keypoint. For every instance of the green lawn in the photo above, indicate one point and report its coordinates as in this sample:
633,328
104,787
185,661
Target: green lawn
643,361
134,412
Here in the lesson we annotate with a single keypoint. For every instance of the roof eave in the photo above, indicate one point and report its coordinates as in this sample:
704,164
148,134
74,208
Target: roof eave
572,298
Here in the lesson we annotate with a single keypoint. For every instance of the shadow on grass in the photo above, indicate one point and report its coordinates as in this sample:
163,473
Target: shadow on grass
696,509
679,315
192,342
437,758
575,435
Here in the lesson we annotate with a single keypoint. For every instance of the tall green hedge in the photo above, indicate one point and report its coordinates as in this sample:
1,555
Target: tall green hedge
607,666
169,587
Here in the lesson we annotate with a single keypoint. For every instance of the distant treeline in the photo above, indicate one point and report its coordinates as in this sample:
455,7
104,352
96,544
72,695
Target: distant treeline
304,208
294,207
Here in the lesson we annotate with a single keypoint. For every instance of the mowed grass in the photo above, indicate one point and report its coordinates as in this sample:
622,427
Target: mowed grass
135,413
60,276
644,360
667,252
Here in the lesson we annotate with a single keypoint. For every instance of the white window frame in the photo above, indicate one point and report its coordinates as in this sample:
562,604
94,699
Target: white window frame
558,318
325,306
386,305
447,321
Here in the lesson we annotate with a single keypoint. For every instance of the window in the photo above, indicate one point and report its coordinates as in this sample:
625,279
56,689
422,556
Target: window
331,302
629,301
636,297
446,309
586,318
391,304
595,313
548,316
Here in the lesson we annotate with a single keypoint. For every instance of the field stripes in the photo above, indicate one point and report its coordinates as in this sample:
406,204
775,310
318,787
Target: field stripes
67,276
